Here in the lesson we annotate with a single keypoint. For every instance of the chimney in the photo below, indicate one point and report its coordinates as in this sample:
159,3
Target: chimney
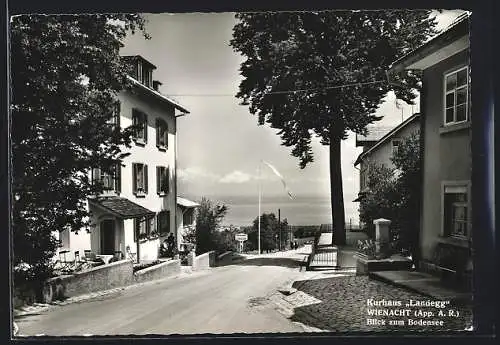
156,85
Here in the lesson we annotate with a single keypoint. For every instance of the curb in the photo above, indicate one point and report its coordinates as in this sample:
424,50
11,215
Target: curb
465,298
288,310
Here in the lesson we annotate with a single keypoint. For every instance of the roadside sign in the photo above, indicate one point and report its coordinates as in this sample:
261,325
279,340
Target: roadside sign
241,237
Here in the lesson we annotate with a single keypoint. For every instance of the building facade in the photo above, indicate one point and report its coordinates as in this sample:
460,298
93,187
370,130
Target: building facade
379,146
445,227
138,209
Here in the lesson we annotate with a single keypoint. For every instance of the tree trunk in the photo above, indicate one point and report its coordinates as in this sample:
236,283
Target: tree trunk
336,192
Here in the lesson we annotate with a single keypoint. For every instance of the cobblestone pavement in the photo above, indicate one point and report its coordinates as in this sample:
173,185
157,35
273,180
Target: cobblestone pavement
343,307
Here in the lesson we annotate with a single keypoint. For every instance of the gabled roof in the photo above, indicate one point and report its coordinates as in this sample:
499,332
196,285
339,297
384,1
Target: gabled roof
157,95
388,136
447,43
375,133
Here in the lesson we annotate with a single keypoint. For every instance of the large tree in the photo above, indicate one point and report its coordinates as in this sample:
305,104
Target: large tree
209,216
337,62
269,232
66,74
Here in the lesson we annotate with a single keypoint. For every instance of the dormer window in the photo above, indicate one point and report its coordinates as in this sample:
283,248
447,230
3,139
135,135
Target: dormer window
144,74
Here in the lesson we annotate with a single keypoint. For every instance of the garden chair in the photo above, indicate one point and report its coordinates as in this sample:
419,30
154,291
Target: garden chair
80,263
118,255
63,264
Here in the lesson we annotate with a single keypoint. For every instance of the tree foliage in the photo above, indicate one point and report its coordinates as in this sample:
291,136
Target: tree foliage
337,62
208,218
66,73
268,232
395,194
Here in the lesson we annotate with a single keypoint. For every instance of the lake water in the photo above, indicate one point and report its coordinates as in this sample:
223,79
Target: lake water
303,210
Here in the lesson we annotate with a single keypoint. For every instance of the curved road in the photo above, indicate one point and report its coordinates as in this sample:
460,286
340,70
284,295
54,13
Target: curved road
226,299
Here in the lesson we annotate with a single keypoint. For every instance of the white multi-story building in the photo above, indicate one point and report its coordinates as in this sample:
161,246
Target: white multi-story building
139,207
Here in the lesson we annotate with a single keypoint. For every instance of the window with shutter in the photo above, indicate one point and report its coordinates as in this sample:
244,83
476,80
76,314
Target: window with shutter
141,227
163,222
109,181
134,178
140,179
456,211
161,134
162,180
145,178
139,121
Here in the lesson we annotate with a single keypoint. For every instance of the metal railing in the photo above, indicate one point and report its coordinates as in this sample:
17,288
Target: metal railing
325,257
322,256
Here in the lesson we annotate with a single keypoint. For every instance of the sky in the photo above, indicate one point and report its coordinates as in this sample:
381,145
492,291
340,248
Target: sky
220,143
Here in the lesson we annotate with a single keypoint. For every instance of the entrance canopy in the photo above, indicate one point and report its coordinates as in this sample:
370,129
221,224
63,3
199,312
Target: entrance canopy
186,203
122,207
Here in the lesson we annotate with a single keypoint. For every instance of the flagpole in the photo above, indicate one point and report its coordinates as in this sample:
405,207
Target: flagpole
258,238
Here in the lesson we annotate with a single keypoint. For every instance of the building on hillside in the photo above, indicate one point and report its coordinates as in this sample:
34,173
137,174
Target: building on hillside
379,145
186,219
445,226
139,207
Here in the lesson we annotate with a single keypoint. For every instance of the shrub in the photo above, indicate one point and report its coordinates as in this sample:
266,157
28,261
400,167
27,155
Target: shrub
394,194
367,247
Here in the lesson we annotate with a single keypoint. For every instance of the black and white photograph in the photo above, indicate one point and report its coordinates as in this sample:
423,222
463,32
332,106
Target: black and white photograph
272,172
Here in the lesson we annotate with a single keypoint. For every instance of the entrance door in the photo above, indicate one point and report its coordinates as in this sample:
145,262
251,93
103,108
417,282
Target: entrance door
108,237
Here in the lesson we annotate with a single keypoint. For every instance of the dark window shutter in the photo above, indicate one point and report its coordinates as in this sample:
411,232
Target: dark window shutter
158,179
135,122
145,124
165,133
168,222
158,224
117,114
134,177
167,177
136,229
118,177
158,132
145,174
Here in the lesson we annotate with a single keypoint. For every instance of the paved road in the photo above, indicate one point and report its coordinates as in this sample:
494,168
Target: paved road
226,299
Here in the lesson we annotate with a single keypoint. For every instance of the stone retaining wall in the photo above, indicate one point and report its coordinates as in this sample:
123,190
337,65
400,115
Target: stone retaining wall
163,270
100,278
116,274
204,261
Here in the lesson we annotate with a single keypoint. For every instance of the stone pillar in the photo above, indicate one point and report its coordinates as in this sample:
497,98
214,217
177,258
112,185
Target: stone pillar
190,258
382,237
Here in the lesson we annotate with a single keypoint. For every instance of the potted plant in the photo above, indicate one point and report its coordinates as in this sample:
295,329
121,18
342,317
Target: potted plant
366,249
153,234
